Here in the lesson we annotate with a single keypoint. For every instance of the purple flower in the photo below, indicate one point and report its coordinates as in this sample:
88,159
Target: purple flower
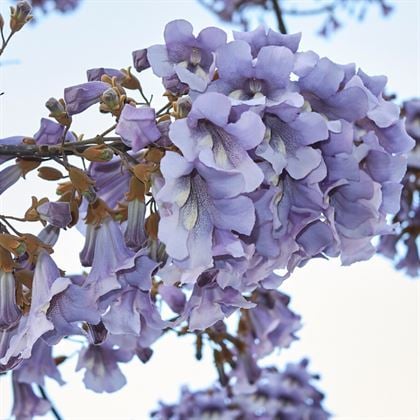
68,309
95,75
134,234
288,145
412,115
26,404
80,97
12,141
137,127
56,213
272,323
261,37
49,235
111,180
131,311
110,256
209,304
102,373
51,133
46,284
208,136
194,204
9,176
140,60
263,80
286,394
9,311
189,57
38,366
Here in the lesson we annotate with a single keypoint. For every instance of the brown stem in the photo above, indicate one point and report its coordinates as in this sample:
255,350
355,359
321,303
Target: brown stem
5,41
34,151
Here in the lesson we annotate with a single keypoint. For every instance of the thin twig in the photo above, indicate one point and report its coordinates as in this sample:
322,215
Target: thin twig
310,12
18,219
5,41
11,226
164,108
53,409
279,16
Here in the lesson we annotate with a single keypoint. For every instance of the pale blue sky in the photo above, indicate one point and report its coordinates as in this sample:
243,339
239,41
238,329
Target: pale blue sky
361,323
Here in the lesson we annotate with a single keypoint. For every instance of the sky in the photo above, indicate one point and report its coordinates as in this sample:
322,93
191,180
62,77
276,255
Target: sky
360,323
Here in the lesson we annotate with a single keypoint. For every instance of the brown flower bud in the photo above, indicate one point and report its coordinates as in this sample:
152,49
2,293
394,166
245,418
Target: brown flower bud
58,111
99,153
49,174
20,15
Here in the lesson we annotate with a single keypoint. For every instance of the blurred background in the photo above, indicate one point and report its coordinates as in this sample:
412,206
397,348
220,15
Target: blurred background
361,323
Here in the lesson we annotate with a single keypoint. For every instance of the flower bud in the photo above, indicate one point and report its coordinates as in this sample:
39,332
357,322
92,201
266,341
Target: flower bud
183,107
99,153
49,174
111,99
58,111
20,15
1,21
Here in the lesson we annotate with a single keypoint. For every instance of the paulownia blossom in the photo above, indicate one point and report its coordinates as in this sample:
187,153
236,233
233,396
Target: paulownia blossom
403,245
288,394
264,158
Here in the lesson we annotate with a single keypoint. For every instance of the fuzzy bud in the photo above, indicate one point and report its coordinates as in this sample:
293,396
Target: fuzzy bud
20,15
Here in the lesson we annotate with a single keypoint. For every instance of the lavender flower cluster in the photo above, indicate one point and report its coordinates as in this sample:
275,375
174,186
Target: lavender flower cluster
403,246
263,159
287,394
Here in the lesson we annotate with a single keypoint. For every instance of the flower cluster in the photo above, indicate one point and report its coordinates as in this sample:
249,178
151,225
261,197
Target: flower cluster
262,159
287,394
403,246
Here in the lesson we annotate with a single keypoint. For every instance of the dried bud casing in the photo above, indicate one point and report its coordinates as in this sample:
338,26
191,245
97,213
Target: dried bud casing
130,81
80,180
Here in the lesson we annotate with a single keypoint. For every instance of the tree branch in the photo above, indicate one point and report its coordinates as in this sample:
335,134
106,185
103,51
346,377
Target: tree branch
34,151
279,16
53,409
310,12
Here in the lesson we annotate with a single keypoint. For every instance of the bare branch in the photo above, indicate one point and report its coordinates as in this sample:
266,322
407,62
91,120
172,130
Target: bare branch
34,151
